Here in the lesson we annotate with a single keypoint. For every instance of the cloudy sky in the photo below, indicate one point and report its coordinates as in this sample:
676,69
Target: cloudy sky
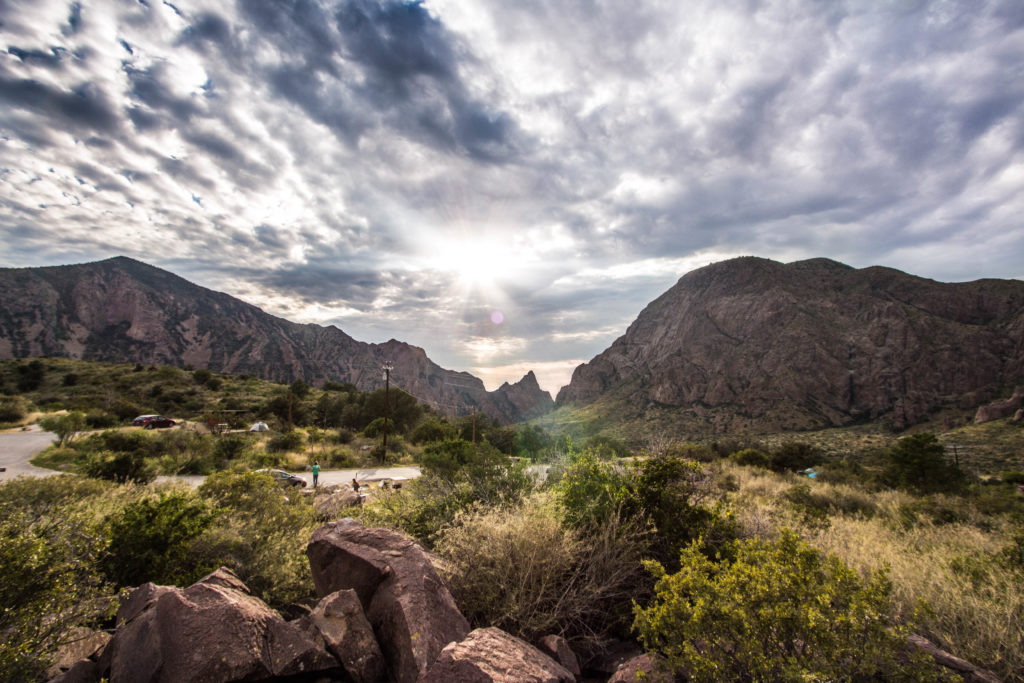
507,183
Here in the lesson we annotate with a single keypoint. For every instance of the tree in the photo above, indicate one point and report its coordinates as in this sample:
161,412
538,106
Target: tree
919,462
64,426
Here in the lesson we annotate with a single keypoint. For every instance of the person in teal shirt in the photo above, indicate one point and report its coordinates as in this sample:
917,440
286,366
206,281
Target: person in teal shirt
316,473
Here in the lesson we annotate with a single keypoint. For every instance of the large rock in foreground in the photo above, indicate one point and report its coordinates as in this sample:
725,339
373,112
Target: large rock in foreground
212,631
412,613
489,655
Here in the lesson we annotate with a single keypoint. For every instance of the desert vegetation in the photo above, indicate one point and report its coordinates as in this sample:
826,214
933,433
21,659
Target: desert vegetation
725,558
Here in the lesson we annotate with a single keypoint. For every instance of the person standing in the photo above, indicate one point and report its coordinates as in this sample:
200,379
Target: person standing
316,472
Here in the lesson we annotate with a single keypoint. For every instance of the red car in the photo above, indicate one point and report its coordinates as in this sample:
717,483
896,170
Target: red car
153,422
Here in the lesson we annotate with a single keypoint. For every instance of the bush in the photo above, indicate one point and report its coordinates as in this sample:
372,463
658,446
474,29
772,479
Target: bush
591,490
100,419
48,548
432,430
12,409
64,426
794,457
751,457
776,611
150,540
121,467
919,462
522,571
376,428
286,441
261,534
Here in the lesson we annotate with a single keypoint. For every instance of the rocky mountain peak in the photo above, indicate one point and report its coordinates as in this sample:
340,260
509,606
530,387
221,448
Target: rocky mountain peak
751,343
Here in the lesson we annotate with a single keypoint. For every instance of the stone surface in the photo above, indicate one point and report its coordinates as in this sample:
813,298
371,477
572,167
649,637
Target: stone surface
490,655
750,343
83,671
333,504
210,632
997,410
122,310
348,635
82,643
558,649
138,600
412,613
641,669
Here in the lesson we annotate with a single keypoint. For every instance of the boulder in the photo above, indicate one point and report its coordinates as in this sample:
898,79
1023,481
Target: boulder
558,649
642,668
490,655
138,601
212,631
82,643
83,671
412,613
347,634
997,410
331,505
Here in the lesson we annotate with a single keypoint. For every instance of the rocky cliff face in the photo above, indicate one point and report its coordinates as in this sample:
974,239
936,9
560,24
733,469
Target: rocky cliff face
752,343
123,310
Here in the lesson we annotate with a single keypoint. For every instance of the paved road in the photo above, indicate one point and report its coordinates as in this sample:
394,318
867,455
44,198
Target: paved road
17,448
366,475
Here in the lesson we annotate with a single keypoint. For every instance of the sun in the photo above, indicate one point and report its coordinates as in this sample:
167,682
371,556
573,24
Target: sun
475,263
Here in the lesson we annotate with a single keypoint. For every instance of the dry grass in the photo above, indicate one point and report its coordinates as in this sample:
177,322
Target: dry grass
975,602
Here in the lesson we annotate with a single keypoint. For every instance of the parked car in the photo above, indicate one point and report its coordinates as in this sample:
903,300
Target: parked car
153,421
284,478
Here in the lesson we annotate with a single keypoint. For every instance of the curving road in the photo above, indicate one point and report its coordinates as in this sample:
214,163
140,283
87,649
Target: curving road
17,448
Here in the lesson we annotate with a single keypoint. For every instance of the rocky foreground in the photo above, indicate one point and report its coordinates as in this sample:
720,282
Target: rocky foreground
383,615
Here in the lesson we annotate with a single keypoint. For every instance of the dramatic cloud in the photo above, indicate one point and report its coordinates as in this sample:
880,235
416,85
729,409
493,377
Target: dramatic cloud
507,184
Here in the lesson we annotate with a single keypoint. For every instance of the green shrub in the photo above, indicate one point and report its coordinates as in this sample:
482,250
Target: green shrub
813,509
751,457
150,540
794,457
775,611
431,430
64,426
121,467
100,419
50,585
591,491
919,462
286,441
12,409
376,428
230,447
261,534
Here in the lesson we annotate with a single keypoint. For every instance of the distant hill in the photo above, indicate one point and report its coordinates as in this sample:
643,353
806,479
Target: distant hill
122,310
750,344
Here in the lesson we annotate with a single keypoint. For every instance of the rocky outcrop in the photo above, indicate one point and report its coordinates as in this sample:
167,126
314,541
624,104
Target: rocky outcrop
214,630
490,655
751,344
121,310
998,410
558,649
331,504
642,668
339,619
412,613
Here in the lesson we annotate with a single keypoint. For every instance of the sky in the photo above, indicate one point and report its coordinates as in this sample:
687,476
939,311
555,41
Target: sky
507,184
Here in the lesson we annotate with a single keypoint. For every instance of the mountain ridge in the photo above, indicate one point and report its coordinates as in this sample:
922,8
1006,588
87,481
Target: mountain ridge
121,309
754,343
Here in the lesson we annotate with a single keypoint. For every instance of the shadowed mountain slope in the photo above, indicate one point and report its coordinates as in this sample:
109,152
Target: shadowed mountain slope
124,310
752,344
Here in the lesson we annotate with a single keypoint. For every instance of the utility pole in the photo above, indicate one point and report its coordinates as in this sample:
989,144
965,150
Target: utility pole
387,386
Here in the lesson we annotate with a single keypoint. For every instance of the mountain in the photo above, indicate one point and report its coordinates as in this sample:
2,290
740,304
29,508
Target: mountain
124,310
752,344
